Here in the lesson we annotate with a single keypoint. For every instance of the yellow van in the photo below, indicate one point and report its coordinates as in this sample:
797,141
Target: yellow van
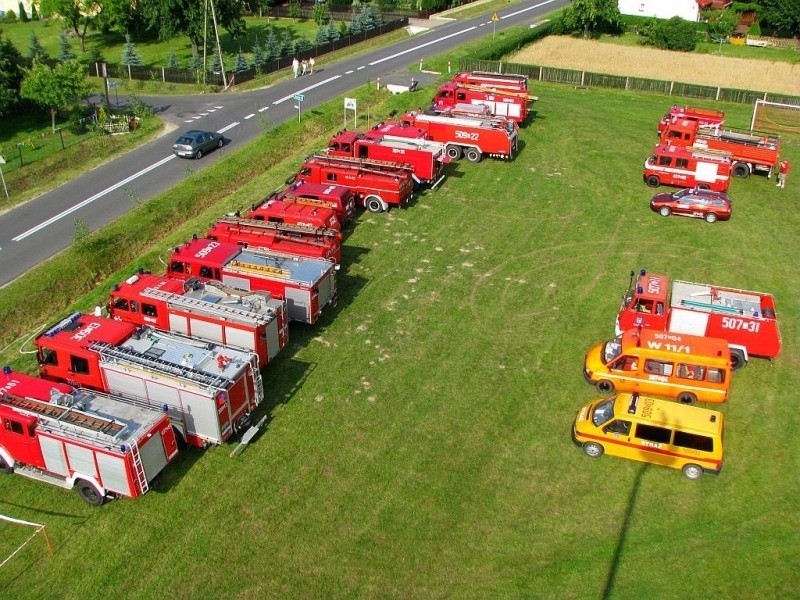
653,431
688,368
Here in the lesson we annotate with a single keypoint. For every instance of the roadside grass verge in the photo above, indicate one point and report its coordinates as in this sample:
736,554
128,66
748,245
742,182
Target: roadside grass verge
418,442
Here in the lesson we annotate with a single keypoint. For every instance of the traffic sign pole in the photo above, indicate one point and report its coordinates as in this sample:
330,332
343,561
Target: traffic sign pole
299,98
495,19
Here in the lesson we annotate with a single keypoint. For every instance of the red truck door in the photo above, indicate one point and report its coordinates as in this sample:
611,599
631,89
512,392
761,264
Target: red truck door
18,436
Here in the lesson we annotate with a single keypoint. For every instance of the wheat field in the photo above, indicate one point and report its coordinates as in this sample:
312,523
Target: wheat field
638,61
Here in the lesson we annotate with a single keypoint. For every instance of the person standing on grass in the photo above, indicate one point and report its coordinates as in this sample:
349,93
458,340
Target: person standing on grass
311,63
295,67
783,172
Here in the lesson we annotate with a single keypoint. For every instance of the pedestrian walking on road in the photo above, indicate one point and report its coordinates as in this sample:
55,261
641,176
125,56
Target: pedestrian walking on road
311,63
295,67
305,66
783,172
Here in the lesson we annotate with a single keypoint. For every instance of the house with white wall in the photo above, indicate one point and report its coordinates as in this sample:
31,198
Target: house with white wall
661,9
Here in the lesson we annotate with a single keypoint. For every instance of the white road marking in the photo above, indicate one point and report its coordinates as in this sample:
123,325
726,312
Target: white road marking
231,126
263,109
441,39
311,87
250,116
218,107
524,10
361,67
91,199
349,72
482,24
212,110
189,121
204,114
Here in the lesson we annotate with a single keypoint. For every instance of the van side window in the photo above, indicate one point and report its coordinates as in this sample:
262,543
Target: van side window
665,161
682,163
205,272
14,426
176,266
78,364
658,367
48,357
653,434
149,310
625,363
696,372
716,375
618,426
121,304
694,441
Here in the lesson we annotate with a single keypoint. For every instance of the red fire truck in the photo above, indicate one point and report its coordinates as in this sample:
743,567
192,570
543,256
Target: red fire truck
705,117
250,321
466,136
750,152
378,186
513,105
426,159
208,390
286,239
746,319
498,81
338,197
688,167
307,284
80,439
296,212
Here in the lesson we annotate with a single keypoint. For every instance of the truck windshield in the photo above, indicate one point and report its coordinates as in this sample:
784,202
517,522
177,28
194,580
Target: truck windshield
612,350
603,412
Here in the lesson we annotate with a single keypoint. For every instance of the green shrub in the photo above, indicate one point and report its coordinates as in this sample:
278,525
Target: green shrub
673,34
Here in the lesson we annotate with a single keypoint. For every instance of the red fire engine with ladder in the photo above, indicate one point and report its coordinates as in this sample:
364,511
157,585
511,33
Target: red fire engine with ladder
750,152
688,167
81,439
208,390
286,239
504,103
250,321
497,81
465,136
746,319
706,117
307,284
294,211
338,197
425,158
377,185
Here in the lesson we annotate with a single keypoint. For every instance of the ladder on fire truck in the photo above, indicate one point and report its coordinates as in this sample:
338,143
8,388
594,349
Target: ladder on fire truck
138,466
279,227
211,308
268,270
289,197
506,92
364,163
107,350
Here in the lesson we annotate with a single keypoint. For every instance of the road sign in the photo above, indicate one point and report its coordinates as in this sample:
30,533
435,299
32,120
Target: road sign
495,17
113,84
350,103
299,97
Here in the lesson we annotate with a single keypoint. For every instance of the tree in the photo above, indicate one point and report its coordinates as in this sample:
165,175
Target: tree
321,14
23,15
65,52
195,63
720,23
333,32
673,34
78,14
171,18
287,46
264,7
593,16
321,37
172,59
54,87
10,74
129,54
372,16
240,62
780,16
302,46
34,14
272,46
36,51
259,58
294,9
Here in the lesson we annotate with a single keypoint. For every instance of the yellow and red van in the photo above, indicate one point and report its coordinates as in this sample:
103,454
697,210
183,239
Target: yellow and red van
652,430
674,365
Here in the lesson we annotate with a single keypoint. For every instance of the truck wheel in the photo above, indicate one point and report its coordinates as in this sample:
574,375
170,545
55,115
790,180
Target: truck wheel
664,211
605,386
737,359
593,449
373,204
687,398
89,493
454,152
4,466
473,155
703,186
711,218
653,181
692,471
741,169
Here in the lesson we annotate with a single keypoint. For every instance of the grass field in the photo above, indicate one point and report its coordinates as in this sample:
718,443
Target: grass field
418,443
779,75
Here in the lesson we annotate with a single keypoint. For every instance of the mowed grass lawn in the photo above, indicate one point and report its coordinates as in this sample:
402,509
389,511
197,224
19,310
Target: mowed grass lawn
419,441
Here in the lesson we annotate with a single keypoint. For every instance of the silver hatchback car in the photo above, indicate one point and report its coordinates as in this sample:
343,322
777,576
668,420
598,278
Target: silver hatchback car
193,144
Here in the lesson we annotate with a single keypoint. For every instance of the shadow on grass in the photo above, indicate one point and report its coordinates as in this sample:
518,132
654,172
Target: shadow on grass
174,471
41,511
623,533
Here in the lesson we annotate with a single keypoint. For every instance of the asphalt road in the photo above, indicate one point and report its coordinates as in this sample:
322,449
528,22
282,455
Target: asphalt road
39,229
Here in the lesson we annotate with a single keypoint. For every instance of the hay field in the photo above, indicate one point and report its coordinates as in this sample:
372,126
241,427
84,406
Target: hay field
639,61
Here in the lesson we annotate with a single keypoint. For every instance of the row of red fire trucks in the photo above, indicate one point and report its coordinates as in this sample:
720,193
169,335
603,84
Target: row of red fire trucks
695,150
177,360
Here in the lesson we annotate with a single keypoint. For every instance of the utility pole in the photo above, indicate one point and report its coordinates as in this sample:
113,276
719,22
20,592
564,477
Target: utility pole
219,48
205,37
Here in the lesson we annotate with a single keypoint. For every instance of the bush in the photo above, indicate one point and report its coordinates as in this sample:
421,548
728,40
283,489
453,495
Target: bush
754,30
673,34
11,17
